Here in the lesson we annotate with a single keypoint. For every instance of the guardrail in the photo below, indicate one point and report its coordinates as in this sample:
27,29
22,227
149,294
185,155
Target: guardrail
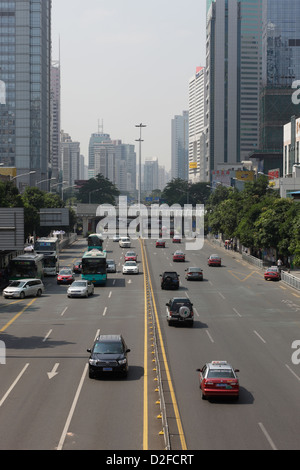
291,280
252,260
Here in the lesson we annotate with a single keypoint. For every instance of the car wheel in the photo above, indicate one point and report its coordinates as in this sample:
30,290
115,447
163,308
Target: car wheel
91,374
22,295
203,396
87,294
39,293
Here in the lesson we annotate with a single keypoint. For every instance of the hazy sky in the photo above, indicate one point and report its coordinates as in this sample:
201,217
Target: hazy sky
126,62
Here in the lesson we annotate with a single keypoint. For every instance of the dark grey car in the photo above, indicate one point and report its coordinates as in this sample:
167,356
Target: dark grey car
110,266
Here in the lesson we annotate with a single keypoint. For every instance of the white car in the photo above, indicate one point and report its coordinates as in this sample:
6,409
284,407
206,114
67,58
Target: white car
81,288
24,288
130,267
125,242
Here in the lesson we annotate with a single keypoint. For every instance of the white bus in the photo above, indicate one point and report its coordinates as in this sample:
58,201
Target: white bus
49,247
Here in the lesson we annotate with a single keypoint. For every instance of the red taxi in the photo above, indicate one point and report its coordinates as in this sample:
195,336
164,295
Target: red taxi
214,260
178,256
272,273
130,256
176,239
218,378
160,243
65,276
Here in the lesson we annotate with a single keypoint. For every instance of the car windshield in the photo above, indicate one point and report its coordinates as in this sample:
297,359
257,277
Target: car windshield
172,275
65,271
130,263
110,261
130,253
220,374
108,347
17,284
79,284
195,270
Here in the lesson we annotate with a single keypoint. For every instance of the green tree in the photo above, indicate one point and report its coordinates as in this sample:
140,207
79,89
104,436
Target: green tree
98,190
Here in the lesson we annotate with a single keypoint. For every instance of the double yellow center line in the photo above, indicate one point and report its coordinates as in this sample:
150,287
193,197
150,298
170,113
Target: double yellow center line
167,370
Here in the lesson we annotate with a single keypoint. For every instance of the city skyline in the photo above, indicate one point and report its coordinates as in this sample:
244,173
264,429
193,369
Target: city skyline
137,63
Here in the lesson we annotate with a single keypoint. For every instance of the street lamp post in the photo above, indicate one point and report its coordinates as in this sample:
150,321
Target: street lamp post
140,161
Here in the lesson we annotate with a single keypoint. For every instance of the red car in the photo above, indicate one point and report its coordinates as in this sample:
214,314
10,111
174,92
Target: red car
272,273
178,256
160,243
214,260
130,256
65,276
176,239
218,378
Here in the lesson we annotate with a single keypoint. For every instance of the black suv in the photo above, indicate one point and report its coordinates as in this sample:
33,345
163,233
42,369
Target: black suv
180,310
170,280
108,355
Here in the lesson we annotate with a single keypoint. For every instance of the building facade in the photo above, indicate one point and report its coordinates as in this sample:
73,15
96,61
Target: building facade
25,62
180,146
55,118
198,169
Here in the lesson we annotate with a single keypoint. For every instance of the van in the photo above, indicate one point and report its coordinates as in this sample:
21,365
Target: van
124,242
24,288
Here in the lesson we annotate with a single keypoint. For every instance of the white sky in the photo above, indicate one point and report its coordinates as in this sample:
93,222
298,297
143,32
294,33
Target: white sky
127,62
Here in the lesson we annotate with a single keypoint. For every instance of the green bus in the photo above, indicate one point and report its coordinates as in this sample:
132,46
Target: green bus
95,242
94,267
27,266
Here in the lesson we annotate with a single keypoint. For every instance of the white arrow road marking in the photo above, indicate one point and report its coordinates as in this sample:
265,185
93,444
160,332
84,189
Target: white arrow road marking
53,373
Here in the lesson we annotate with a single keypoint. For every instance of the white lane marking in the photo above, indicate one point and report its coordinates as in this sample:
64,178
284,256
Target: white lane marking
13,384
209,335
297,377
47,335
260,337
220,293
104,312
64,311
267,436
235,310
71,412
109,295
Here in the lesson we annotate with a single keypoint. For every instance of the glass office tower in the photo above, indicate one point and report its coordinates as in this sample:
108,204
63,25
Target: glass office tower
25,61
281,42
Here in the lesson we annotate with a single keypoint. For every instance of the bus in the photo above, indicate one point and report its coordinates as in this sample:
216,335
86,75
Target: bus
49,247
95,241
94,267
27,266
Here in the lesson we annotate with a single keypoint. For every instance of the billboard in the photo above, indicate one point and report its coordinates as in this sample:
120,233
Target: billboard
244,175
8,171
54,217
11,229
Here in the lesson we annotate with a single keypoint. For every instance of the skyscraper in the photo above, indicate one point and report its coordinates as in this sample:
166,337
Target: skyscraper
180,146
198,170
234,55
25,61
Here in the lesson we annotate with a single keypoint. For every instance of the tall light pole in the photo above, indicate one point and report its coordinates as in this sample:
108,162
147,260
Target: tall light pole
140,161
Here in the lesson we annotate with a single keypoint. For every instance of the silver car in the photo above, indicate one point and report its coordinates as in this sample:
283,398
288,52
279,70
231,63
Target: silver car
24,288
81,288
110,266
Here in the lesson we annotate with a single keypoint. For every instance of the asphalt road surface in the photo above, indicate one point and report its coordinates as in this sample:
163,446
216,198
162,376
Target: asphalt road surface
47,400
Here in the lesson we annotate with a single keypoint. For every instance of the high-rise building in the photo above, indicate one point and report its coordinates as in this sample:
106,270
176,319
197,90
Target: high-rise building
25,62
55,118
280,68
150,174
198,170
180,146
96,138
70,160
234,54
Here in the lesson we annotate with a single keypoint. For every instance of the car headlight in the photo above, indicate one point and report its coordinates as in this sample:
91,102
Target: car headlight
122,361
93,362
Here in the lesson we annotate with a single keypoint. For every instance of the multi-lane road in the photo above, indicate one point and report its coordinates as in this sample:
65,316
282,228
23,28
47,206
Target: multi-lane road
47,400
